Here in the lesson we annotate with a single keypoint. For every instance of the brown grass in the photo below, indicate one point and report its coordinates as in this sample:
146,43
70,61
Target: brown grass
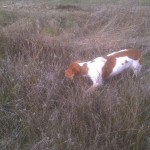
41,109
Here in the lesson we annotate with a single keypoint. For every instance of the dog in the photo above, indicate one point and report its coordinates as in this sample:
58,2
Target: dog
101,69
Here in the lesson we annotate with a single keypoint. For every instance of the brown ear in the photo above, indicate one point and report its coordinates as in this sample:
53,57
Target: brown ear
76,68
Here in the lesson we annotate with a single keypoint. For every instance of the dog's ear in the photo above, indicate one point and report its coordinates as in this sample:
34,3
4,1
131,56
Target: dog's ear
76,68
73,69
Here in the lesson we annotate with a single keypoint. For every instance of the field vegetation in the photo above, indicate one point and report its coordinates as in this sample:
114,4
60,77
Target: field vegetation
42,110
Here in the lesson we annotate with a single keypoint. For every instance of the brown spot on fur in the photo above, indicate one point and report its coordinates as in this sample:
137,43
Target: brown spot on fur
111,61
75,69
72,70
126,61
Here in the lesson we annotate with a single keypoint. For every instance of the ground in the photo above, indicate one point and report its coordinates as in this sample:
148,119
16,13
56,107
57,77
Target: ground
39,107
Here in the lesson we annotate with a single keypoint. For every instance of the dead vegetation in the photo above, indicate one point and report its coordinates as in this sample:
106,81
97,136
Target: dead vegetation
40,109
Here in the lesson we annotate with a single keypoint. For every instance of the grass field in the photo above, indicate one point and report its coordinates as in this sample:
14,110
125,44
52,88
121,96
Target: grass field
39,108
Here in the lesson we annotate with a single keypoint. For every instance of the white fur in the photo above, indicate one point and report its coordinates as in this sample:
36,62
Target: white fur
122,63
95,70
134,65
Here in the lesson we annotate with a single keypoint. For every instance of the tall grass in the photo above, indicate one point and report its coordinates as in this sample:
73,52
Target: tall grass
41,109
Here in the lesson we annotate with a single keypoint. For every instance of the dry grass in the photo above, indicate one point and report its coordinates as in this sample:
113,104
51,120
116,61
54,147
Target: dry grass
40,109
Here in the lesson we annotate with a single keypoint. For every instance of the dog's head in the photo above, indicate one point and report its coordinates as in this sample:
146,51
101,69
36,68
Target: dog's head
73,70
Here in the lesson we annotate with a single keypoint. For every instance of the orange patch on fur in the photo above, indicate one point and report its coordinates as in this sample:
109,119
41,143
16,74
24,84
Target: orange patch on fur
75,69
111,60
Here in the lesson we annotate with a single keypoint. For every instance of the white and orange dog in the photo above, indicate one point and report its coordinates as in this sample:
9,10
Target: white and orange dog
102,68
